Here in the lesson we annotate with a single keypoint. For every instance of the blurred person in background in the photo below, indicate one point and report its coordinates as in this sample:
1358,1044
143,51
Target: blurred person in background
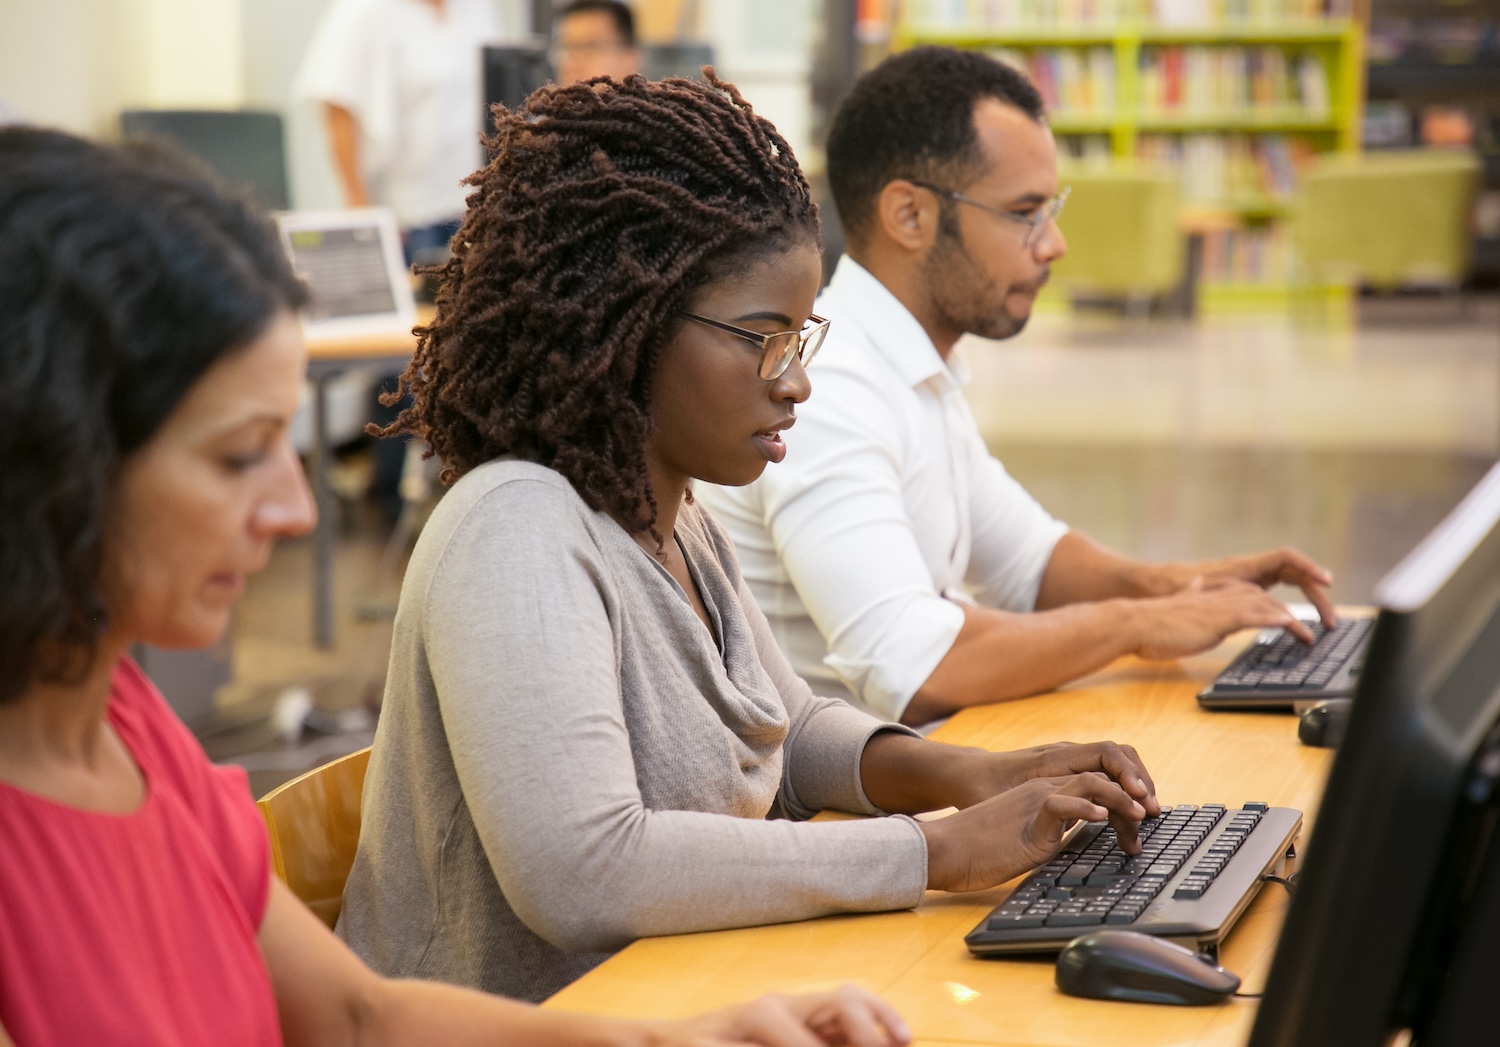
594,38
401,89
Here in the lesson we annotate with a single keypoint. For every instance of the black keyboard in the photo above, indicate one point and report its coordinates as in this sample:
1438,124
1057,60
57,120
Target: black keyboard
1280,671
1198,869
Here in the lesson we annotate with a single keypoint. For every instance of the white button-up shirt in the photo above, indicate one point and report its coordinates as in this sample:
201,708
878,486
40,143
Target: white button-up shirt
887,512
411,76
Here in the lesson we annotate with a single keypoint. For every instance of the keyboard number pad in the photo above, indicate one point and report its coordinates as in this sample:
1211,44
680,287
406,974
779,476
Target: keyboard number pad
1101,884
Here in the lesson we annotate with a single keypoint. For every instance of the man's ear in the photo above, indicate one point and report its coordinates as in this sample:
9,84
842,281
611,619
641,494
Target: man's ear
907,215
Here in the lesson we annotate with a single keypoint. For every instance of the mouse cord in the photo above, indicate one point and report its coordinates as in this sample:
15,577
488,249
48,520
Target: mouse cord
1290,883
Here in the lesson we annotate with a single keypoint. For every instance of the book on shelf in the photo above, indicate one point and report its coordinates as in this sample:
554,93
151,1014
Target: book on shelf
1230,169
1223,80
1256,255
996,16
1071,80
1085,150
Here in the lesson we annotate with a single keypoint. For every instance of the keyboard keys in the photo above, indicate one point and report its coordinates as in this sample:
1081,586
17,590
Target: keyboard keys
1283,663
1096,883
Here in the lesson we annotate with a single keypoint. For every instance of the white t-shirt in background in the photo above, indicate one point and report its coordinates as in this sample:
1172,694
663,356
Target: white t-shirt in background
411,76
887,511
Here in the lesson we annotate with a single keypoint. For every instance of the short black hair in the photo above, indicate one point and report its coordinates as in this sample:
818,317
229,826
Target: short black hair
912,116
125,273
616,9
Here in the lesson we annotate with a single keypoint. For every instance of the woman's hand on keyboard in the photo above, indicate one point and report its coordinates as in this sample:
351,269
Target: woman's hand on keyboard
986,774
847,1015
1019,829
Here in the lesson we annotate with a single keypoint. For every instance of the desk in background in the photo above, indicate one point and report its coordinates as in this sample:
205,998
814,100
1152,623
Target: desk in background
327,358
917,960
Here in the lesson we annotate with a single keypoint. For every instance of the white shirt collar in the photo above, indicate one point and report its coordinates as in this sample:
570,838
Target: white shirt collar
855,298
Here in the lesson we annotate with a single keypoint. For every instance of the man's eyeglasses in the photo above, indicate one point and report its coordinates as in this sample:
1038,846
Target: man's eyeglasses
1036,220
776,350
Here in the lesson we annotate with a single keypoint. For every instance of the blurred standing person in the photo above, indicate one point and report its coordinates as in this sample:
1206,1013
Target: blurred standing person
399,83
594,38
401,90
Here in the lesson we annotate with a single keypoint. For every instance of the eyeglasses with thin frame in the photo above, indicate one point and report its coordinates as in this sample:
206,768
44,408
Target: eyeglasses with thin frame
776,350
1036,220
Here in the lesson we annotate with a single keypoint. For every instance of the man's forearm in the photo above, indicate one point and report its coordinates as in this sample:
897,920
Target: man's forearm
1081,570
1000,655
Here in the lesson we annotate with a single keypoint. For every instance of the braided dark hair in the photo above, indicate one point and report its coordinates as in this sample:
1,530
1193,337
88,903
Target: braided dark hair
605,207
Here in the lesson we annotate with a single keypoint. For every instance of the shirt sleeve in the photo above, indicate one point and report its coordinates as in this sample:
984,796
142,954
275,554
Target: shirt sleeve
544,759
218,796
837,517
1013,536
341,64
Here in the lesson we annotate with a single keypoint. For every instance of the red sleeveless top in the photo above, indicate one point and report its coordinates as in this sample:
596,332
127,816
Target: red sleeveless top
138,928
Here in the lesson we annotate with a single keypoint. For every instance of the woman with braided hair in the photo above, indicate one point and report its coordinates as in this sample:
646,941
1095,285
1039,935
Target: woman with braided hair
587,721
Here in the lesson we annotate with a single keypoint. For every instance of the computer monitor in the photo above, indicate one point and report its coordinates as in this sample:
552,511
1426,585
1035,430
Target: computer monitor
1396,916
244,147
511,73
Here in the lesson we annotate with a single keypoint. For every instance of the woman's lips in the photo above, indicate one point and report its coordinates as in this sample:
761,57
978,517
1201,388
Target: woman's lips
771,445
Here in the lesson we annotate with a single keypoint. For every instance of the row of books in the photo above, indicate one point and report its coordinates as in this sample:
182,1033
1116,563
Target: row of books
1177,80
1252,255
1220,168
1086,150
1069,79
999,15
1231,79
1452,40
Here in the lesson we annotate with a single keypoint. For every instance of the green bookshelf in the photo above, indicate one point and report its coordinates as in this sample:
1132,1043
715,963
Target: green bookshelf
1320,61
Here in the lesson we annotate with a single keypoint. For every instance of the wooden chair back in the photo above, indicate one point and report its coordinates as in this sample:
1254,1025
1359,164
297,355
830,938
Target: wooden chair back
313,822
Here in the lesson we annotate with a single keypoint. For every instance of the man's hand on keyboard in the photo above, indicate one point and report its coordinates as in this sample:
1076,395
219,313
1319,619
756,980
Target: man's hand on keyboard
1203,612
1274,567
1019,829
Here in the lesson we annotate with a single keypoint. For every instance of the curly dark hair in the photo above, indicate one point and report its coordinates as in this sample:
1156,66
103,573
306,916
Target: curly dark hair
912,116
124,274
604,208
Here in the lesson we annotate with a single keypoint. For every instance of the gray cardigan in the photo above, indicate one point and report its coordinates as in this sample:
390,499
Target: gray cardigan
567,760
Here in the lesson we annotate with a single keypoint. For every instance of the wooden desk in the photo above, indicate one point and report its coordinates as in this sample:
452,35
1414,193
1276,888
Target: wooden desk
917,959
327,358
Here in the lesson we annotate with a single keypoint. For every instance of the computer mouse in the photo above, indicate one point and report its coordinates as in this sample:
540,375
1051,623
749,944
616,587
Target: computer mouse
1325,722
1140,968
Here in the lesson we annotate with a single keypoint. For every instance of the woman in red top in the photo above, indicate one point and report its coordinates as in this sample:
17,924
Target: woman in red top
153,362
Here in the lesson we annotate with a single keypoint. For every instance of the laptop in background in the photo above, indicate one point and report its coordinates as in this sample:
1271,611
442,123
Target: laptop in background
353,264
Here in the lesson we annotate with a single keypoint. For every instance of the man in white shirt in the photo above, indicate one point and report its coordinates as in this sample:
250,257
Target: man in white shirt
898,563
400,85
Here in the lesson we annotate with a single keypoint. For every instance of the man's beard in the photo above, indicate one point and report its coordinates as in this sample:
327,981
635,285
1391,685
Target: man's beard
962,294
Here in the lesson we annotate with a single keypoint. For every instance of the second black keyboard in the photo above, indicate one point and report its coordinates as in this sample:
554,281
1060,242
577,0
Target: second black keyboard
1198,869
1279,671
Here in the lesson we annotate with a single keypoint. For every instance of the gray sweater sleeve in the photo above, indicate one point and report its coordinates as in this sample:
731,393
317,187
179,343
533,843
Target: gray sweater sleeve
524,650
827,735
